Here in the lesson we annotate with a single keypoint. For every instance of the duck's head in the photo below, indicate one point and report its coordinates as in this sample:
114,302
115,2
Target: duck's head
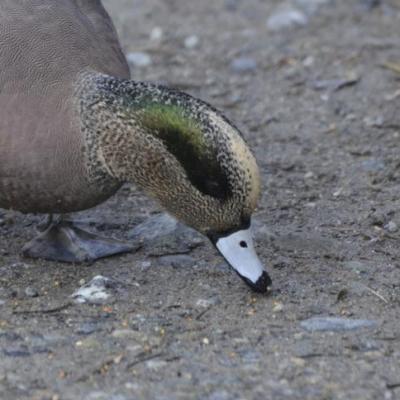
189,157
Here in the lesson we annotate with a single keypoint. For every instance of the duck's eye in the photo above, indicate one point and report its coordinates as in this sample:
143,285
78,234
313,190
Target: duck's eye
243,244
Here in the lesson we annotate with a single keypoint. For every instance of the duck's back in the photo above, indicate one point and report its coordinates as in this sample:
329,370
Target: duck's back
44,45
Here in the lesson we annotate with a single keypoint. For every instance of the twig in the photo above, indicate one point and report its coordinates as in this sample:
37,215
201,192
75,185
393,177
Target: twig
392,66
45,311
377,294
200,314
143,359
391,386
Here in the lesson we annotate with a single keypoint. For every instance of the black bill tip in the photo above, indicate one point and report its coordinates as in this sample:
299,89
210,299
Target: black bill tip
262,284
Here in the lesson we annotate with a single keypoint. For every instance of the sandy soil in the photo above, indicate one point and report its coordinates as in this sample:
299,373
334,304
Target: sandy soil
319,105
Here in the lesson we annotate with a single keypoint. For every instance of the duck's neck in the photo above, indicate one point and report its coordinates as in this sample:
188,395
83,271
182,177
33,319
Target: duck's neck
119,118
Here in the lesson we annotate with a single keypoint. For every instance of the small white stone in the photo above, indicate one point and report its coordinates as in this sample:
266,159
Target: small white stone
191,42
309,61
93,292
124,334
309,175
278,307
146,264
338,192
243,64
391,226
156,34
286,17
204,303
139,59
156,364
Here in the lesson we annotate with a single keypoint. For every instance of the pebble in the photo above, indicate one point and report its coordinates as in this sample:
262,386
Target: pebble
31,292
373,165
206,303
125,334
145,264
243,64
370,4
309,175
104,396
391,226
156,364
232,5
94,292
88,343
278,307
285,18
139,59
374,121
220,395
156,34
335,324
191,42
86,328
138,337
177,261
312,6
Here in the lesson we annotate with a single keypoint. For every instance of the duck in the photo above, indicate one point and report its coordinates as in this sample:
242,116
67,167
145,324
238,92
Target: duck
74,127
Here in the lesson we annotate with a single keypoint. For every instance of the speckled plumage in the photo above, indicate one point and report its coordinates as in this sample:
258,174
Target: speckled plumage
125,142
73,128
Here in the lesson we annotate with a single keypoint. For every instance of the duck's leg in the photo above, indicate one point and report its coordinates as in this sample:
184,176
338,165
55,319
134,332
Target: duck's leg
62,241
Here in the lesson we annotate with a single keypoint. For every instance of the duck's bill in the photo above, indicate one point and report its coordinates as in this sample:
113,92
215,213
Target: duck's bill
238,250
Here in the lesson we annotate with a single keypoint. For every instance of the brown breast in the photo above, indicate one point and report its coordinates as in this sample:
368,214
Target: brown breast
44,44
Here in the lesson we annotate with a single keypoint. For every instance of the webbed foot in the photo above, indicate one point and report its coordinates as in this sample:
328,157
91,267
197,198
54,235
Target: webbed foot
62,241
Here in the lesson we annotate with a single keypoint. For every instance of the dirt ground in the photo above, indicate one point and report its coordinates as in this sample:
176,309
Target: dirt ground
318,102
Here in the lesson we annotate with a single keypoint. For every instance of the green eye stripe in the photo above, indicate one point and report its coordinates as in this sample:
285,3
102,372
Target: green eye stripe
185,140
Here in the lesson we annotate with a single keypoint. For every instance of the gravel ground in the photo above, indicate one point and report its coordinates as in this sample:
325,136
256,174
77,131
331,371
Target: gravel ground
314,85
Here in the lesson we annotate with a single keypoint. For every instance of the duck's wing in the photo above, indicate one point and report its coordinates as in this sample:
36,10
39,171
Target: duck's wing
47,41
104,28
44,45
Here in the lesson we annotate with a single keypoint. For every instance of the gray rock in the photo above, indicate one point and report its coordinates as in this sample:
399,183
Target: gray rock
391,226
162,235
206,303
191,42
86,328
356,266
243,64
139,59
231,5
376,121
104,396
220,395
336,324
333,85
285,18
312,6
156,34
370,4
178,261
373,165
31,292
